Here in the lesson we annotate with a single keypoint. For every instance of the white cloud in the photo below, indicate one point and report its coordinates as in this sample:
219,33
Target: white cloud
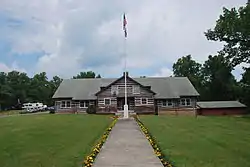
85,34
164,72
14,66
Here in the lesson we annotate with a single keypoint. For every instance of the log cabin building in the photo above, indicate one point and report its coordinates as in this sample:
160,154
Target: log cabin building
145,95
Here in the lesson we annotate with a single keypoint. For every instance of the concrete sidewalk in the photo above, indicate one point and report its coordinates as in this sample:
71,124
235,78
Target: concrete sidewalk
127,146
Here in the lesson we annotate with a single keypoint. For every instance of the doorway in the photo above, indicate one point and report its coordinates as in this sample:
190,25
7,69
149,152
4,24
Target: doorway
121,103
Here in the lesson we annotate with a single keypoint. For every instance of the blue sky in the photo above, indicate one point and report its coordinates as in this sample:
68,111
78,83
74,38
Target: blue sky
64,37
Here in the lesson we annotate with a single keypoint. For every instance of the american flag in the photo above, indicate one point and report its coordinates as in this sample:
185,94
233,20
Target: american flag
124,25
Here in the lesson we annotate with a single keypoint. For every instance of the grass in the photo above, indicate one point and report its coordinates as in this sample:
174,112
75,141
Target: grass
49,140
205,141
11,112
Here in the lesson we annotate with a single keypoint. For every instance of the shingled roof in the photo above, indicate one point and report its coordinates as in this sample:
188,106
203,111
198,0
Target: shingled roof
220,104
164,87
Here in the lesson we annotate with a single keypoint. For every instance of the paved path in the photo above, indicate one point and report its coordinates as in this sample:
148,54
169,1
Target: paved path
127,146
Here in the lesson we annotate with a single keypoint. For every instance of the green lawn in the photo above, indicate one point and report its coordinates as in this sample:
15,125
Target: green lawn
49,140
11,112
202,142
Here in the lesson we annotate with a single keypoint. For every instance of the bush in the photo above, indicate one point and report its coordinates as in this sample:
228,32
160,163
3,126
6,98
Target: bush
91,109
52,111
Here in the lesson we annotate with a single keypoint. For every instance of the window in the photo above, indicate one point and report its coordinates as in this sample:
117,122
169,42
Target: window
68,104
143,101
167,103
164,103
114,89
170,102
185,102
136,89
107,101
65,104
84,104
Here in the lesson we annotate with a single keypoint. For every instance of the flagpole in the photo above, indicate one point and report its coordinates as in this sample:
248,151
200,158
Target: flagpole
125,115
125,64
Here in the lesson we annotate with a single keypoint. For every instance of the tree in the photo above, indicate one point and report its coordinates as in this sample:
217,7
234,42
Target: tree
245,86
54,84
39,88
98,76
18,87
5,91
233,29
219,82
88,74
187,67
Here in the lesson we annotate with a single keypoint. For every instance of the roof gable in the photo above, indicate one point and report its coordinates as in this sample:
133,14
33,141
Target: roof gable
121,78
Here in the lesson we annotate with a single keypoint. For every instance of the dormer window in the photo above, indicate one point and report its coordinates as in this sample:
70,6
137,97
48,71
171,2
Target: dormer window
136,89
114,90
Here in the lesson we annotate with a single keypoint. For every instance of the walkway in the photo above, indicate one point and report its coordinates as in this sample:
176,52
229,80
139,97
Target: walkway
127,146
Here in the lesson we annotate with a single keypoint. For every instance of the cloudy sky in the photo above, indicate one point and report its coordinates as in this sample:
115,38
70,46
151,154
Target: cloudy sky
64,37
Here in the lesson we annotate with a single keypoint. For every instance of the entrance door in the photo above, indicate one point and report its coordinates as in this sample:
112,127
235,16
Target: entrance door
121,103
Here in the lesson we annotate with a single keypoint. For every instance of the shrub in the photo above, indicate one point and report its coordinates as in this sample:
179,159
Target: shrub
52,111
91,109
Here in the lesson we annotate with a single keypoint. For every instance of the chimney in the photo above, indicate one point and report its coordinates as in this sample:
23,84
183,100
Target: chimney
125,73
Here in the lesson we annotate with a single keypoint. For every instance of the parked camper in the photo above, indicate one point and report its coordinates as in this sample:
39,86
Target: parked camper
34,107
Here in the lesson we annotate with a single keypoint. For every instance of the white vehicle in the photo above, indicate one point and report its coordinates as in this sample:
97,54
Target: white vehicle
33,107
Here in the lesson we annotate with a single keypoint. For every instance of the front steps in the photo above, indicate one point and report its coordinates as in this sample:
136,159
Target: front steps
130,112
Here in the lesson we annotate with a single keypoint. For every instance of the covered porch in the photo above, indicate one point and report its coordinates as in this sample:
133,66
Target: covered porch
121,103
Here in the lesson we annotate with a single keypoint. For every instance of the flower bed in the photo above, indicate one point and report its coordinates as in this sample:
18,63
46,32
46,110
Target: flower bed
89,160
153,143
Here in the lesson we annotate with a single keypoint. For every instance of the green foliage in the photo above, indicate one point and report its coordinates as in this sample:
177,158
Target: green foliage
91,109
218,79
98,76
213,80
245,87
52,112
88,74
18,87
187,67
233,29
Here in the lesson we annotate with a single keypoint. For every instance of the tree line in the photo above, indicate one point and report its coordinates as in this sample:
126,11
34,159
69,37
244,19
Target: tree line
213,79
17,88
